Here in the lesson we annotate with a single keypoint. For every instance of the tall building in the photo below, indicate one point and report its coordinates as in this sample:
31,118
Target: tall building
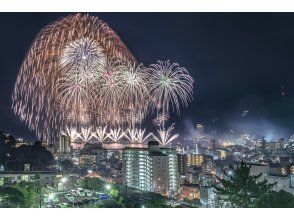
182,163
263,145
151,169
199,132
64,144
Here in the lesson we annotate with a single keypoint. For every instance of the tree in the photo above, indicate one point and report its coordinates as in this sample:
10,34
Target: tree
111,204
11,197
156,203
114,193
28,190
66,165
36,155
6,145
281,199
92,183
240,189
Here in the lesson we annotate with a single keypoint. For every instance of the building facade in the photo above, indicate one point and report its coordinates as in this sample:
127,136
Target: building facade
151,169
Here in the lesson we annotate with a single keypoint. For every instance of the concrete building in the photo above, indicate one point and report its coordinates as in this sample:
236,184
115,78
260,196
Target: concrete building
47,178
64,144
186,161
207,196
256,169
282,182
151,169
92,155
199,132
190,191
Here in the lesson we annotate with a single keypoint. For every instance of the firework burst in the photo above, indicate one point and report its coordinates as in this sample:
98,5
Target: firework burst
79,79
61,71
165,137
170,84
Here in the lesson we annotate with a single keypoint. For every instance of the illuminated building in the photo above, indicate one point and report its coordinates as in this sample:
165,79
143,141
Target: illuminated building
192,177
185,161
222,154
151,169
47,178
92,155
209,167
20,141
190,191
194,160
207,196
182,163
199,132
64,144
278,169
86,160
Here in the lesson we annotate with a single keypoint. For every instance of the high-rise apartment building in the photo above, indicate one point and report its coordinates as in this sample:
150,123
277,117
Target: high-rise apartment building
151,169
64,144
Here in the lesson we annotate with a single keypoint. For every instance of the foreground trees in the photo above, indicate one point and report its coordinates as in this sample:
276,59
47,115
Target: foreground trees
240,189
281,199
14,158
22,195
92,183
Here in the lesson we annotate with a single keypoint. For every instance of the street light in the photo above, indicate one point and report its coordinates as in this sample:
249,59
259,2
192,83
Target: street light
108,186
51,197
63,181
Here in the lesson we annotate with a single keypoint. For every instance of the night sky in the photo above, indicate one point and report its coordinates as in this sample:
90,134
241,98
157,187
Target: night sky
239,61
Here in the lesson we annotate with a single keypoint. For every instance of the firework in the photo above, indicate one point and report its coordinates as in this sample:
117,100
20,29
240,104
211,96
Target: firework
101,134
131,135
71,133
61,72
160,120
165,136
116,134
170,84
137,135
86,134
79,79
141,137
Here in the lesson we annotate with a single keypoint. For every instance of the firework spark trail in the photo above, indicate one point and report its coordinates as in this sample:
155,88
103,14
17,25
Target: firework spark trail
160,119
78,76
141,137
116,134
71,133
58,69
101,134
170,85
165,136
86,134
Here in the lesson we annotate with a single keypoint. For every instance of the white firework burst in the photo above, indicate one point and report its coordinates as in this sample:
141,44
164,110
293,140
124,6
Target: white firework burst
116,134
101,134
164,136
86,134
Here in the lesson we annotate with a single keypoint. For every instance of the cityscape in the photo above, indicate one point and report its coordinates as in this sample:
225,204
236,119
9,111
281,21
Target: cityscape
90,125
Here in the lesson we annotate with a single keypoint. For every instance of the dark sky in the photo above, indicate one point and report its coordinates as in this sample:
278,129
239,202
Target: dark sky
238,61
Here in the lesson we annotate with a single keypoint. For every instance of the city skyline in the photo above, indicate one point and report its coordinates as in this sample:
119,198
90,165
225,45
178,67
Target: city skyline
147,110
253,103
